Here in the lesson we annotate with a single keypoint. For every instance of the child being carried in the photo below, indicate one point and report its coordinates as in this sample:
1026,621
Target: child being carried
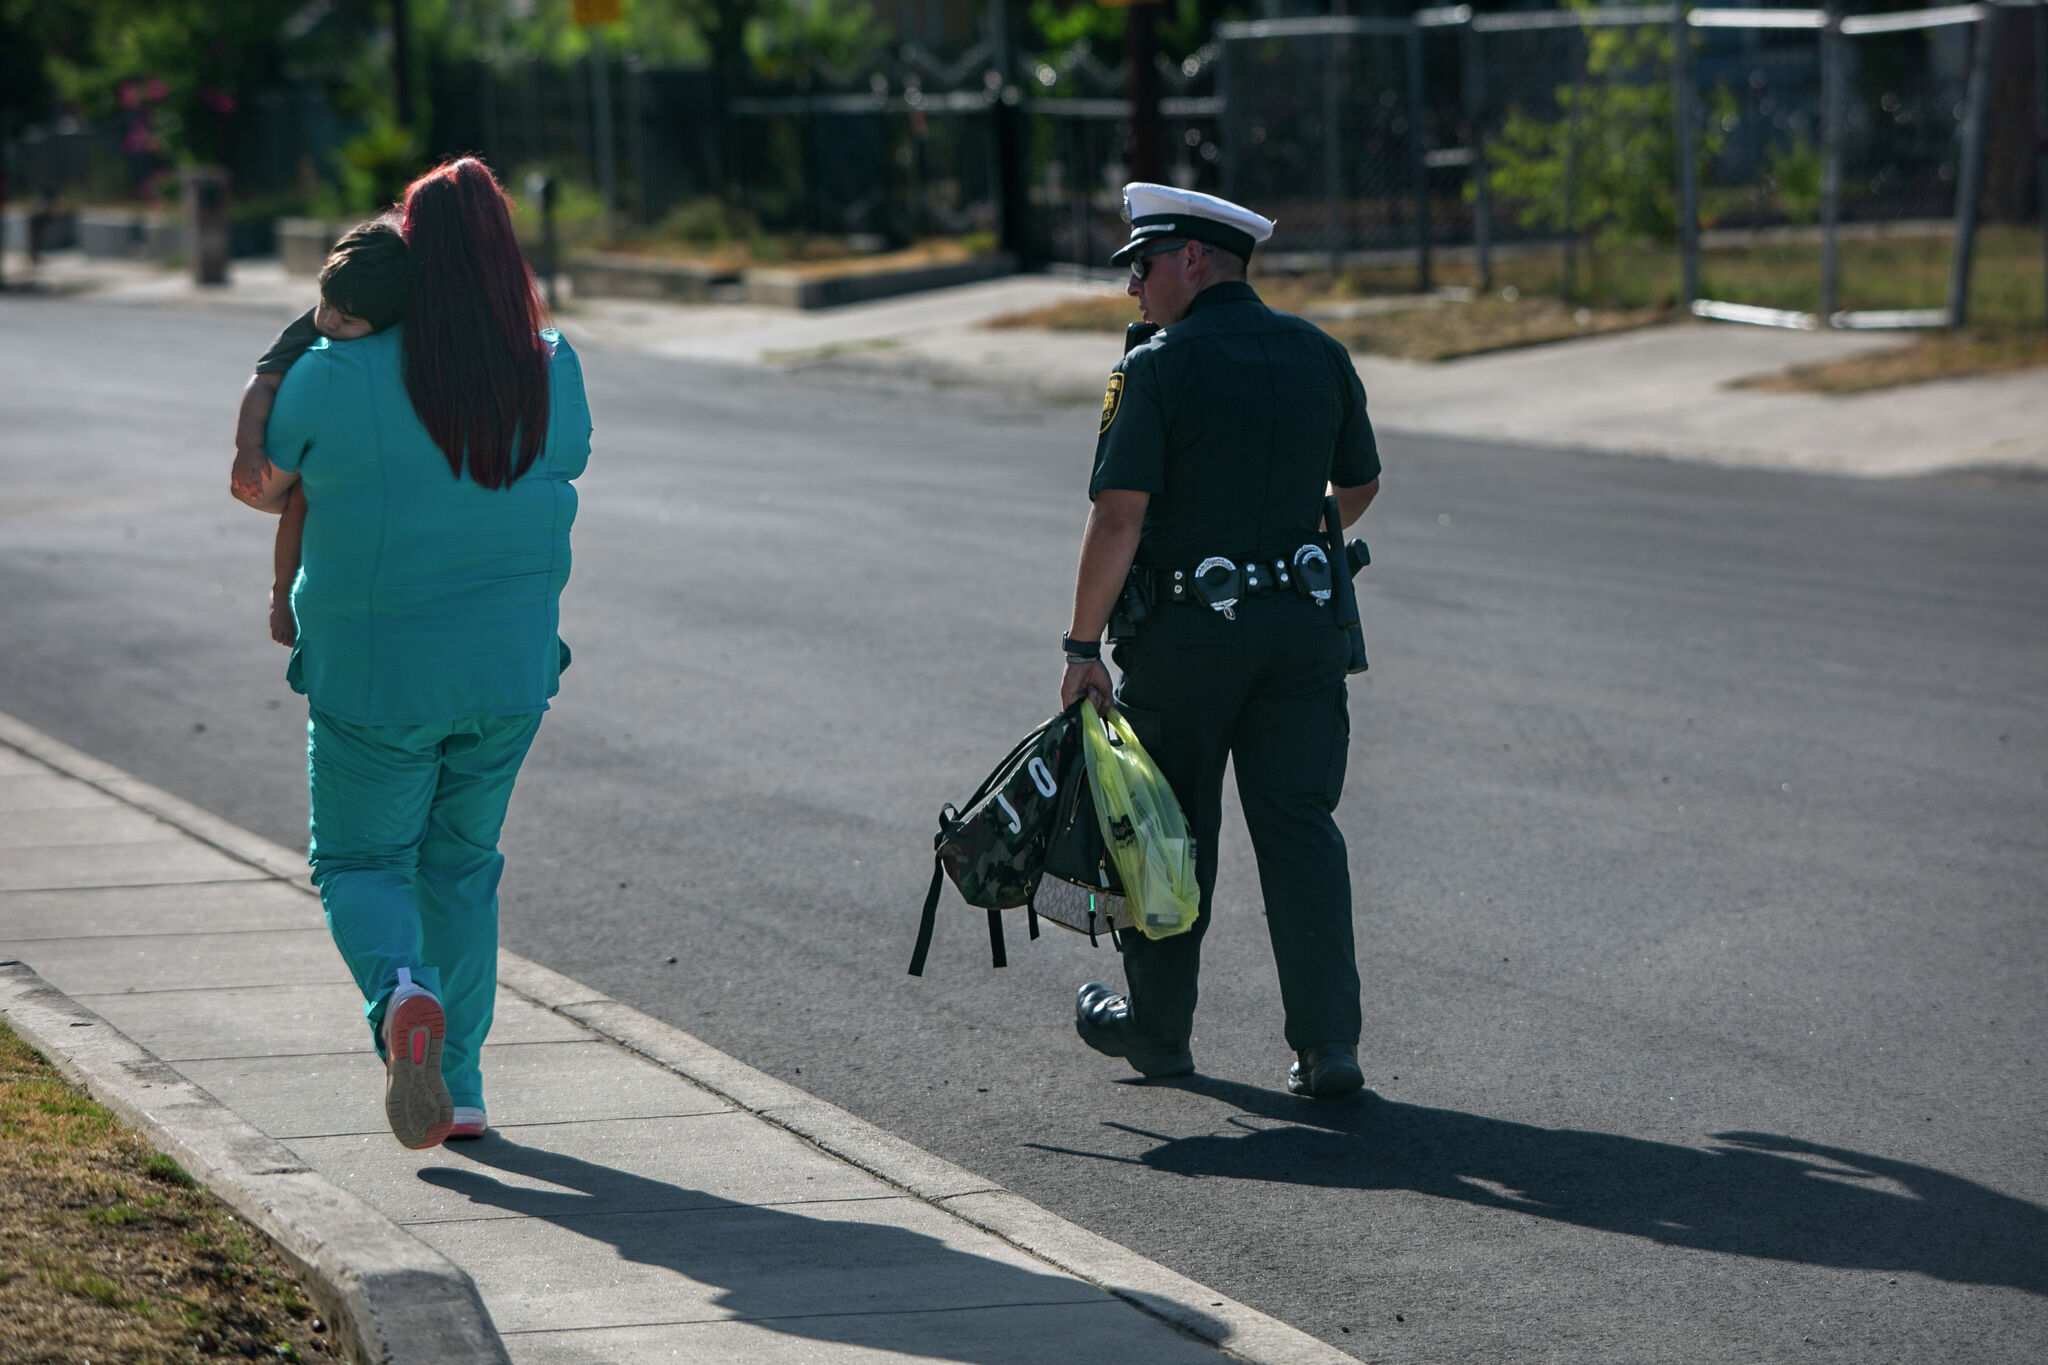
365,287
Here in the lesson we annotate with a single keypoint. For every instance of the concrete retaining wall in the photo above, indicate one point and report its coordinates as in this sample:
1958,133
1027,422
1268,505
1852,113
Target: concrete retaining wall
130,234
303,243
615,275
796,289
59,232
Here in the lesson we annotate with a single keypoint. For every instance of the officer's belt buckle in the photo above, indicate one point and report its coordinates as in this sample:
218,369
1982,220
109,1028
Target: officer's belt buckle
1218,584
1312,567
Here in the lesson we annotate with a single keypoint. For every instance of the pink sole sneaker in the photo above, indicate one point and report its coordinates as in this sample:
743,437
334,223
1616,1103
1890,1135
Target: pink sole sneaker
416,1099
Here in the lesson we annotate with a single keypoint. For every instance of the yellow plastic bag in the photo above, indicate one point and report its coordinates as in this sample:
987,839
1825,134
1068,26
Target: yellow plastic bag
1143,826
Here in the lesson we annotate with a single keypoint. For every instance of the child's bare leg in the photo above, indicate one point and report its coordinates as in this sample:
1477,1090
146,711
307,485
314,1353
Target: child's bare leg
291,528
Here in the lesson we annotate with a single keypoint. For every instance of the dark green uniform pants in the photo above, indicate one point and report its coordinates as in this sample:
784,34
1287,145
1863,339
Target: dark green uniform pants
1267,692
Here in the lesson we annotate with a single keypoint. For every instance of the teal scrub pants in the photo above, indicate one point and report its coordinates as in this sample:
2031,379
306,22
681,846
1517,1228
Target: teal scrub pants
405,824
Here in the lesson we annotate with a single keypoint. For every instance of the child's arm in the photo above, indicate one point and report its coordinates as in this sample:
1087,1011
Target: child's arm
256,480
252,466
291,528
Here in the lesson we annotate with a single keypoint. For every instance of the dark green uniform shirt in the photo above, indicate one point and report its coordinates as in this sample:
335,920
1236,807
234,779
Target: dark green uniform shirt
1233,419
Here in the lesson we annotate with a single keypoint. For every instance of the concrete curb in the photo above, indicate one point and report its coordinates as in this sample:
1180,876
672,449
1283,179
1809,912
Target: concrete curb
1242,1331
393,1300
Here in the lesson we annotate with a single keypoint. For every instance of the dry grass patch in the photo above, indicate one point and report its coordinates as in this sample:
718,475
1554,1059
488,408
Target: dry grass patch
1937,355
1445,330
813,256
1411,328
109,1252
1096,313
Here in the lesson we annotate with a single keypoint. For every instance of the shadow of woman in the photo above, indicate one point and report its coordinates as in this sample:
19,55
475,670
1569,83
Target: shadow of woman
1753,1194
811,1272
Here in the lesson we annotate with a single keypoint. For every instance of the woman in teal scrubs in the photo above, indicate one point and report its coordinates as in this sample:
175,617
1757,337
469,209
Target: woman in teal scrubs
427,606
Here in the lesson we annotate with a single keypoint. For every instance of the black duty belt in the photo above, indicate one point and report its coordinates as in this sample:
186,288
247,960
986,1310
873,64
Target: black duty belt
1220,583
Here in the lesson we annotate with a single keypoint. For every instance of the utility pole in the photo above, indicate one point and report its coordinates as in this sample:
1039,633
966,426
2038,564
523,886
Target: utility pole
592,16
601,133
2041,128
401,60
1141,88
1013,171
728,69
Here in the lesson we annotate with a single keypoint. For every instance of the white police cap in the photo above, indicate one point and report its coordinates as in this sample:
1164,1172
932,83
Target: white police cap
1159,213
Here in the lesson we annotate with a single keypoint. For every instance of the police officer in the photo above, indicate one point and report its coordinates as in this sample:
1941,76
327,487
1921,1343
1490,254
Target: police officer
1221,434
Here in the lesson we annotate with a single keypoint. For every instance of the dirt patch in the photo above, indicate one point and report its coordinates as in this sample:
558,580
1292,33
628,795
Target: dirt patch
109,1252
1411,329
1938,355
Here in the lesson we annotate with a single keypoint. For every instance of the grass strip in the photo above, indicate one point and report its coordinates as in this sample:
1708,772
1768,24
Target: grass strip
1615,289
110,1252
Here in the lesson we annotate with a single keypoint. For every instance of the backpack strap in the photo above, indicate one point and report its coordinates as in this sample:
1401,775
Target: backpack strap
930,918
998,957
1031,918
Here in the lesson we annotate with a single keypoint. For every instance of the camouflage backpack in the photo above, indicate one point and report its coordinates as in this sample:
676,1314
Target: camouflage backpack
995,851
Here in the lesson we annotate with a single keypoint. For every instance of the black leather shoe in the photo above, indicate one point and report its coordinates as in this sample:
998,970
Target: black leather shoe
1103,1019
1327,1071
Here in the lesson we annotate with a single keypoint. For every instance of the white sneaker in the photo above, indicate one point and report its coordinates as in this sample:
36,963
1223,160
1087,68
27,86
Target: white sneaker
469,1123
416,1101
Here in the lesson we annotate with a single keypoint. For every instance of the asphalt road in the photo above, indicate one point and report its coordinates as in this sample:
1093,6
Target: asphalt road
1697,819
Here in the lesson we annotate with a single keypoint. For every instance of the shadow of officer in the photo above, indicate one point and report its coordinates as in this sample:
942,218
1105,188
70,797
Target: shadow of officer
1752,1194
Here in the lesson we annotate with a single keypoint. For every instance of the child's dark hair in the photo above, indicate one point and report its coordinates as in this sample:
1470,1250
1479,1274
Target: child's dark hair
369,274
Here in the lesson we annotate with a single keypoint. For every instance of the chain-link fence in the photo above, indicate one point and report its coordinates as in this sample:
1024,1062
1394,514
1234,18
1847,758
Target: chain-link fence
1713,158
1573,138
1321,132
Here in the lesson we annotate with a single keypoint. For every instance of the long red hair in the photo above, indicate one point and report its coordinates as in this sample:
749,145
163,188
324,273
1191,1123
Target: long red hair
475,366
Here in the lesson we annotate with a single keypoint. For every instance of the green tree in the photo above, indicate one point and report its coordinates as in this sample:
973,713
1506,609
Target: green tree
182,71
1606,164
787,39
1057,25
25,90
666,31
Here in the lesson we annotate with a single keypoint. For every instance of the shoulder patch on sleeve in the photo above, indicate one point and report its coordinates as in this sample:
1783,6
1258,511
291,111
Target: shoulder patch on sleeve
1112,399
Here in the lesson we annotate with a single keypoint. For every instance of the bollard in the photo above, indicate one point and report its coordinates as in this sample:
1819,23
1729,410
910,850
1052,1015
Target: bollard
204,197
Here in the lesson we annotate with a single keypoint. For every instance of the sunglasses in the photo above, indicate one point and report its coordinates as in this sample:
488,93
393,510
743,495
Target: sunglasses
1141,264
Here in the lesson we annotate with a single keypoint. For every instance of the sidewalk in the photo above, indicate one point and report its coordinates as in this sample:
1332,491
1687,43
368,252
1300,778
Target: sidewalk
1661,391
641,1196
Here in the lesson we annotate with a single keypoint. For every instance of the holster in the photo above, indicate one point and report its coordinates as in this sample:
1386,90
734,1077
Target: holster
1133,605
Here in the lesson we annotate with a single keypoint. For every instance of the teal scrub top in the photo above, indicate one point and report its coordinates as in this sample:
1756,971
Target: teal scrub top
422,598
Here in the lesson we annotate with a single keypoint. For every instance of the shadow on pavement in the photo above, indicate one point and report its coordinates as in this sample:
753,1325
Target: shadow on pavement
833,1279
1756,1194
